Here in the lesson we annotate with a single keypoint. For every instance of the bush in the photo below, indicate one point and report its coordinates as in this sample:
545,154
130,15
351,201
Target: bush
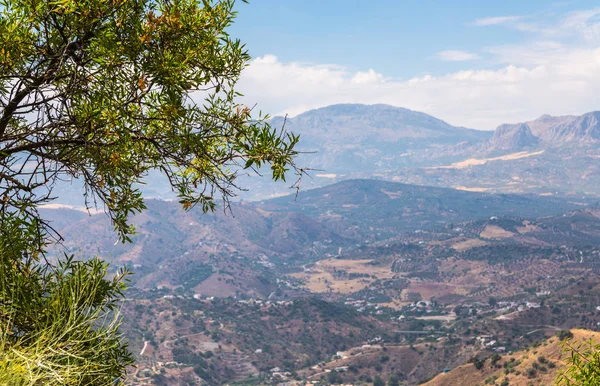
542,360
378,381
478,363
495,358
564,335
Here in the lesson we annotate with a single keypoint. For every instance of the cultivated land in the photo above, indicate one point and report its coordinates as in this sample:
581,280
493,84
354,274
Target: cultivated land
370,277
342,276
350,281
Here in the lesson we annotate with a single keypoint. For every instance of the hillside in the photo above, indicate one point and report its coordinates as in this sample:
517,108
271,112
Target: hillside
549,155
280,228
245,250
355,279
398,278
223,252
537,365
354,206
349,138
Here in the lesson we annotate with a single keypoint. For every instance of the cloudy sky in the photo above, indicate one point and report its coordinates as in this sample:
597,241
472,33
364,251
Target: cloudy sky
472,63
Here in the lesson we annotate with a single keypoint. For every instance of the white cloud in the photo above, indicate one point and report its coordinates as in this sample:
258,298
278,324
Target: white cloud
497,20
556,71
368,77
482,99
519,23
585,23
456,56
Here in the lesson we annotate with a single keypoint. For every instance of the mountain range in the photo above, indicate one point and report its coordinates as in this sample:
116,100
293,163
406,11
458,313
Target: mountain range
548,132
549,155
235,252
412,246
354,279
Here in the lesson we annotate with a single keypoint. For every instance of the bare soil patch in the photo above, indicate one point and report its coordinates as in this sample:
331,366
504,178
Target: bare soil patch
495,232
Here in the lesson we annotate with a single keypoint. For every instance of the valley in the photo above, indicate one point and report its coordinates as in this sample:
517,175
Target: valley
355,280
299,193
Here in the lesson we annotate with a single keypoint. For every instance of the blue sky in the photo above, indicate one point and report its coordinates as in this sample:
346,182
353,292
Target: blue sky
416,53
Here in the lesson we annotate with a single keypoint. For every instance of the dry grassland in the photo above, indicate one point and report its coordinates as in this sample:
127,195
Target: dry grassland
551,350
320,279
481,161
495,232
465,245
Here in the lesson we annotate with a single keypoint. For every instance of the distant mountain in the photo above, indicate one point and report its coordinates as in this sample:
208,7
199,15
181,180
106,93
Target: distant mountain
350,138
558,155
549,155
547,121
377,209
357,121
585,128
548,131
513,137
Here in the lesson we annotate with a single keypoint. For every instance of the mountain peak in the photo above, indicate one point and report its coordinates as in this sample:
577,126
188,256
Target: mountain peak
545,117
352,119
583,128
356,108
513,137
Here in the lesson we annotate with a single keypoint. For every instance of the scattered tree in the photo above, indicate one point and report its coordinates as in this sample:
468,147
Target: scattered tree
377,381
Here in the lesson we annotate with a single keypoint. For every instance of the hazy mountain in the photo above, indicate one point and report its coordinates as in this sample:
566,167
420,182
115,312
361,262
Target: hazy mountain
547,121
356,122
378,208
513,137
548,131
548,155
585,128
354,138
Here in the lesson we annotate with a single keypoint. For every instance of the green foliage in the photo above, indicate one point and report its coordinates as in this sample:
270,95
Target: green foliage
583,364
564,335
477,362
334,378
377,381
194,274
107,92
58,325
495,358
